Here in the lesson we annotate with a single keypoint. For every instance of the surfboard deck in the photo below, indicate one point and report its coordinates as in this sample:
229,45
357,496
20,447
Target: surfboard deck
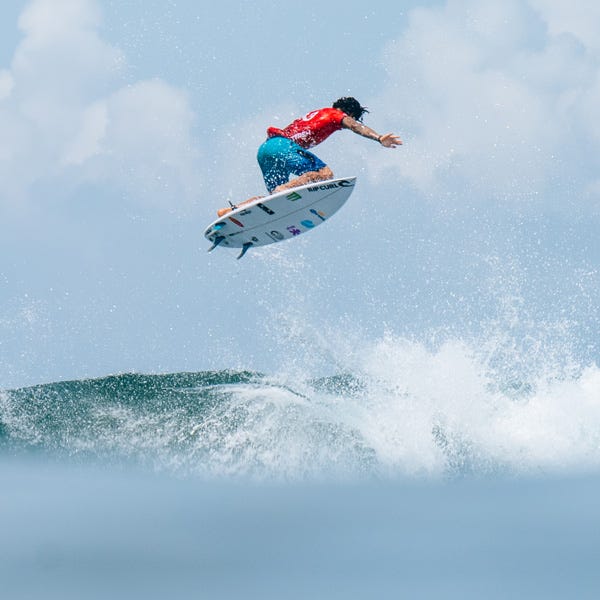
280,216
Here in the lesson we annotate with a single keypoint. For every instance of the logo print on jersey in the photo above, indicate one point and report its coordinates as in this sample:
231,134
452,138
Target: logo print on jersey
293,230
308,224
310,115
276,235
294,196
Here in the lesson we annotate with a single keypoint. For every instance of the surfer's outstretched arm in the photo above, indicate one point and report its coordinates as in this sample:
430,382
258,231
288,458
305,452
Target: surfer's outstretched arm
389,140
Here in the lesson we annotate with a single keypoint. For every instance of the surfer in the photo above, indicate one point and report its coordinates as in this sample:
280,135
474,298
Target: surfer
286,151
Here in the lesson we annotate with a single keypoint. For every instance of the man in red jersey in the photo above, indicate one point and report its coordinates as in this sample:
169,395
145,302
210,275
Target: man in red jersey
285,151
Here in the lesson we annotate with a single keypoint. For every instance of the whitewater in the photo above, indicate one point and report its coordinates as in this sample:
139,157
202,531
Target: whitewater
400,408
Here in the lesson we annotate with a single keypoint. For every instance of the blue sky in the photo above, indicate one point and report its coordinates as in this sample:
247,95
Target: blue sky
125,125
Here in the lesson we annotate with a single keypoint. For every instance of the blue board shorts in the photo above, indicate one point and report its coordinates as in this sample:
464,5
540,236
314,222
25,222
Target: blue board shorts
281,157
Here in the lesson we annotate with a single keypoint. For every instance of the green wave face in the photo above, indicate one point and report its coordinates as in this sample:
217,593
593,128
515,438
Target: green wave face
220,423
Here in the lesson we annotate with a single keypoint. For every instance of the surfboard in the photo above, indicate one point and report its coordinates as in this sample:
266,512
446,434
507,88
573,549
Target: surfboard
280,216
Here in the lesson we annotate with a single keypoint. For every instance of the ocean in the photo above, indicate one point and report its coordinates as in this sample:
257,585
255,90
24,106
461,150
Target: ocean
424,472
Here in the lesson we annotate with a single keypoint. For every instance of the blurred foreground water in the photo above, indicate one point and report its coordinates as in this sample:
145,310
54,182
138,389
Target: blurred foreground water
73,532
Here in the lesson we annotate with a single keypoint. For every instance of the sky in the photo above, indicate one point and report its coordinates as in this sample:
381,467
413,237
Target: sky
126,125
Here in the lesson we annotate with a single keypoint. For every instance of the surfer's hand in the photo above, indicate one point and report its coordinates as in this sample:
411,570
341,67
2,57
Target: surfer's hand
389,140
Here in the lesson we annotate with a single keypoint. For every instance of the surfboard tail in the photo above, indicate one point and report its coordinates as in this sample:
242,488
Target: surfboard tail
216,242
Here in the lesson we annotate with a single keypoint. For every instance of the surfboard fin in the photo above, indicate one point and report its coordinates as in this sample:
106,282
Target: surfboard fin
216,242
245,248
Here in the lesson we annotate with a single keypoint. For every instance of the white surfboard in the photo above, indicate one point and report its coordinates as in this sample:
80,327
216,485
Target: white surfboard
281,216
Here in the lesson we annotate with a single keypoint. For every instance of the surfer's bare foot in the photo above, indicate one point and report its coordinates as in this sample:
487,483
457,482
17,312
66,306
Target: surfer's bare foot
224,211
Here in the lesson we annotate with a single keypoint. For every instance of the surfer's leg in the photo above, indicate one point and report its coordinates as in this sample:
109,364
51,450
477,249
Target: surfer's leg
280,157
274,162
308,177
308,166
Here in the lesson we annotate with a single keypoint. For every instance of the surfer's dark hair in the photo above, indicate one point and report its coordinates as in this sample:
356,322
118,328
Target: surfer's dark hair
351,106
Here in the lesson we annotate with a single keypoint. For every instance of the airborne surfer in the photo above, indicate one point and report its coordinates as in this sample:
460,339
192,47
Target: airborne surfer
285,152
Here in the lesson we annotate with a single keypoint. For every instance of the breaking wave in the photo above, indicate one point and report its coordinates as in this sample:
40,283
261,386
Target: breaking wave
403,409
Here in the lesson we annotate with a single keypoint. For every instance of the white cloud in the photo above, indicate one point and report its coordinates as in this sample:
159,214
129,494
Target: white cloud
498,98
53,19
580,18
64,112
142,133
87,141
6,84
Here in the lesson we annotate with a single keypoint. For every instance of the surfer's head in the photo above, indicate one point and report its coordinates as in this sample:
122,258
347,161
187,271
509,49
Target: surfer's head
351,106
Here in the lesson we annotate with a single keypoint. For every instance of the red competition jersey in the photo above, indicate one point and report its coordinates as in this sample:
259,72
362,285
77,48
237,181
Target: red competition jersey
312,129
